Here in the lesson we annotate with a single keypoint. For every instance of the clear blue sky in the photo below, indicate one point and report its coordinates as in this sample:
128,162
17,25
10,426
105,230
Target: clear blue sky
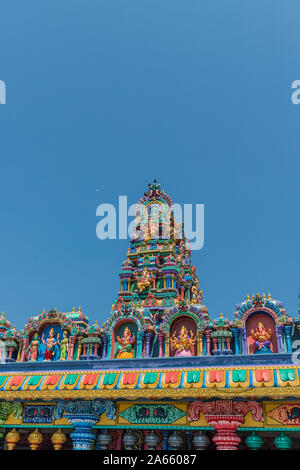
111,94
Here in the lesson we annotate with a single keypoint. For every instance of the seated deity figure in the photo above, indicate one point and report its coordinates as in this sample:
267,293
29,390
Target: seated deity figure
124,347
50,343
144,281
32,349
183,343
262,339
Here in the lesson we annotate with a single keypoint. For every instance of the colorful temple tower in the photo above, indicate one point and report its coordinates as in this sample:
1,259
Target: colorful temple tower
159,373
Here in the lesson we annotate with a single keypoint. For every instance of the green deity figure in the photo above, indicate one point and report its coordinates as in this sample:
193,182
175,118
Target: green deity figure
64,346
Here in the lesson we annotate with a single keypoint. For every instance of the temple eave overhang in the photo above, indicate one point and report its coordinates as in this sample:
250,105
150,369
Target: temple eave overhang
225,378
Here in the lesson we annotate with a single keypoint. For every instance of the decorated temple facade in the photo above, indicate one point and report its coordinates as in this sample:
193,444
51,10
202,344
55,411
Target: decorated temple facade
159,373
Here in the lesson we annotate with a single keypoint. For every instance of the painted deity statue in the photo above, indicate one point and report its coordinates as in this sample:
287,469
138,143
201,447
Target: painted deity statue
183,343
124,347
197,295
144,281
64,346
262,338
32,349
50,343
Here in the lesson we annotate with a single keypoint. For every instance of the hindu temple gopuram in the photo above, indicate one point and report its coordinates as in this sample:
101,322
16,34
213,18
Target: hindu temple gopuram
159,373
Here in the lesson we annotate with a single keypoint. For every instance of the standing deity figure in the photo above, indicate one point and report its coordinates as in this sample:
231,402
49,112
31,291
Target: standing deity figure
50,343
64,346
262,338
124,347
183,343
144,281
33,348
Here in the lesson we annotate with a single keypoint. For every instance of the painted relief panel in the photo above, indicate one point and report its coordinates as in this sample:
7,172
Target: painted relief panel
153,413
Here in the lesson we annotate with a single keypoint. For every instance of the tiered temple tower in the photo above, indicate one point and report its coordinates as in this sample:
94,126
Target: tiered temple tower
158,374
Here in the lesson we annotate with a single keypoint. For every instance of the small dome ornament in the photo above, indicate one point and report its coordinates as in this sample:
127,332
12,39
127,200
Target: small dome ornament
151,440
104,439
4,322
58,439
35,439
254,441
12,437
129,440
200,441
283,442
175,440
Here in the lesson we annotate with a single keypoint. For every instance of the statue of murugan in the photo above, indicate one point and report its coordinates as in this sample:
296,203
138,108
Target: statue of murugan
124,347
262,338
144,281
32,349
50,343
183,343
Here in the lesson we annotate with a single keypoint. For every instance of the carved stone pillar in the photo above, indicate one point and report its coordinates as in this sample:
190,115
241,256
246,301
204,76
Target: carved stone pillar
207,335
139,346
148,337
104,350
84,414
79,348
160,344
287,330
225,417
236,341
200,343
244,340
279,338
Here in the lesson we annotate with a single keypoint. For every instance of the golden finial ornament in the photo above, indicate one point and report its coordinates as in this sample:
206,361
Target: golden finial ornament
73,310
253,297
58,439
79,308
2,315
12,437
35,439
248,297
264,296
269,296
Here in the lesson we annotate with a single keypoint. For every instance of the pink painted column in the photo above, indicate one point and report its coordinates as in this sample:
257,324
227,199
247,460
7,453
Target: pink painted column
160,344
207,335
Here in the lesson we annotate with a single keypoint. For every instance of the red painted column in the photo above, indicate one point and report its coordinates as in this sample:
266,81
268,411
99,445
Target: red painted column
226,426
225,416
145,434
119,439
